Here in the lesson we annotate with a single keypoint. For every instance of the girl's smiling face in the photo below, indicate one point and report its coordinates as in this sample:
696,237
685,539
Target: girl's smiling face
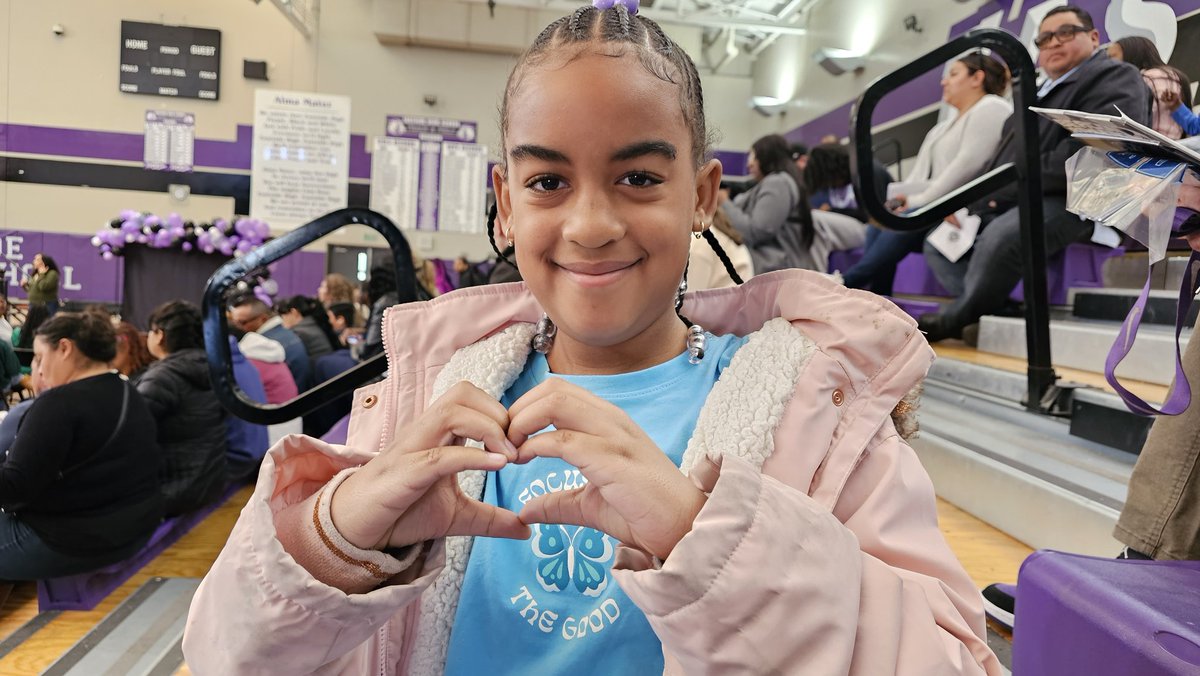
601,196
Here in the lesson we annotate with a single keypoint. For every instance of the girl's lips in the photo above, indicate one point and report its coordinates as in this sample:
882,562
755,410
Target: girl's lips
597,274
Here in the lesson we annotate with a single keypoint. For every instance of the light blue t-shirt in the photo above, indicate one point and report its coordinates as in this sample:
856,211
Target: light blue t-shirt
549,605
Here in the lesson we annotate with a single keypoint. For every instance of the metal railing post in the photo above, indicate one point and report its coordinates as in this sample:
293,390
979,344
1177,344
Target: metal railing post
1026,170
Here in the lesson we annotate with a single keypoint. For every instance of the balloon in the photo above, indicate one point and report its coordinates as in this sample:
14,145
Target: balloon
129,214
174,221
244,246
107,255
152,221
186,246
96,241
130,238
131,226
142,239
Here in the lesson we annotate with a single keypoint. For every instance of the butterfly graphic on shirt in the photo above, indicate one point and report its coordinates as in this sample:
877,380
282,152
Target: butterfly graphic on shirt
572,554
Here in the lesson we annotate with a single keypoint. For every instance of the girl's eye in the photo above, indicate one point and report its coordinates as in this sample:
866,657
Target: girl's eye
545,184
640,179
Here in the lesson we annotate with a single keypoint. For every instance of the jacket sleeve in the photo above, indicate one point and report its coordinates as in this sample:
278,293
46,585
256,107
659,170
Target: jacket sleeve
258,611
980,136
46,284
160,397
775,199
12,365
1187,120
769,581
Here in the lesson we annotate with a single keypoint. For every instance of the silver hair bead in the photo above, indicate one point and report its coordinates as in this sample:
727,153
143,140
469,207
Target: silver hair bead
696,341
544,338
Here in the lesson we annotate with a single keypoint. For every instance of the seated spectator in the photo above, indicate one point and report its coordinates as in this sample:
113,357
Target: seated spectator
335,288
251,314
306,318
10,371
12,422
35,315
1078,77
380,295
1162,80
954,152
830,184
705,269
6,329
800,156
342,318
247,442
79,486
132,355
772,216
268,358
191,422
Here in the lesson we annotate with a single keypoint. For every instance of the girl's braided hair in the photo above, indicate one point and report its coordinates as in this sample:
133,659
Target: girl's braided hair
656,52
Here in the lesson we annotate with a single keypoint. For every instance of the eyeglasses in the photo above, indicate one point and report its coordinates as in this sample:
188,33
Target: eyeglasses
1064,33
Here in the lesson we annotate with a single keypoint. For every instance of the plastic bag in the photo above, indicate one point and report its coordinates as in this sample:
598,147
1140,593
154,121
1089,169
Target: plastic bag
1146,198
1132,193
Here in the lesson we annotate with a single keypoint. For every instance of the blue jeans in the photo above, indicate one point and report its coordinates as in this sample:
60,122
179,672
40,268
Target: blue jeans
884,250
23,555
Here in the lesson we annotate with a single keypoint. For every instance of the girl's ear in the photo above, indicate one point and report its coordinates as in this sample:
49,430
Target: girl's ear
503,202
708,187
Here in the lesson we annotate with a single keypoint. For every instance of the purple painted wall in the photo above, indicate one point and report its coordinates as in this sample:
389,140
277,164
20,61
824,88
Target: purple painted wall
85,276
926,89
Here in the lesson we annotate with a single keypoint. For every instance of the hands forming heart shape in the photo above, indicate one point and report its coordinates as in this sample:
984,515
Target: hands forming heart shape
409,493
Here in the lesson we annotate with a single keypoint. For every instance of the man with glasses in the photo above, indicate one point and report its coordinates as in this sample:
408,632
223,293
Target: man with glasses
1078,76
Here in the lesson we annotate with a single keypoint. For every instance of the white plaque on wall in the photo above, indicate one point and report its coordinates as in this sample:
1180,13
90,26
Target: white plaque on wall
395,175
463,186
301,164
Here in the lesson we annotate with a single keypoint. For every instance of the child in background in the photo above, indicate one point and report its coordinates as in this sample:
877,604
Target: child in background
640,494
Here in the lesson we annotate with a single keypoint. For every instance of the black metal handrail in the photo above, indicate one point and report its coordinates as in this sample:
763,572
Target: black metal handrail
1026,170
216,341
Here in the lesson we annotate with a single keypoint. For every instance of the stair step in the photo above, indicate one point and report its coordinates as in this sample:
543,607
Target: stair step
1084,345
1021,472
1115,304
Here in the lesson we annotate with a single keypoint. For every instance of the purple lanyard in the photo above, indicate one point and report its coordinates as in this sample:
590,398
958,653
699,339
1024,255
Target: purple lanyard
1180,394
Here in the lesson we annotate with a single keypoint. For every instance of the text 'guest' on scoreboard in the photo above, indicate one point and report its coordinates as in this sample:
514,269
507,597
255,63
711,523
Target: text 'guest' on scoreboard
178,61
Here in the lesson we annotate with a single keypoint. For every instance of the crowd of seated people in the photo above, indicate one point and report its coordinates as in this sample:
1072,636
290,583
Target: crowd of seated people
121,428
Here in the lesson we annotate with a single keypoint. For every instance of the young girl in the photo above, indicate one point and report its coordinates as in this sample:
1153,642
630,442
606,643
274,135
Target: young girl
647,496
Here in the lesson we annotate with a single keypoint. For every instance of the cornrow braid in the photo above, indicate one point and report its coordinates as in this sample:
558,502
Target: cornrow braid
578,29
656,52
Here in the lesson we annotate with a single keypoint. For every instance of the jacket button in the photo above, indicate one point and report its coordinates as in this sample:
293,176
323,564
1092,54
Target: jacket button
370,401
838,397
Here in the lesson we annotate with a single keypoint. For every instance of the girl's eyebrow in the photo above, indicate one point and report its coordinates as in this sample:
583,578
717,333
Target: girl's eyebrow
629,152
528,151
642,148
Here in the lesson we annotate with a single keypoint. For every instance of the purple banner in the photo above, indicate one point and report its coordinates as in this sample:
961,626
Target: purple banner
299,274
82,274
427,128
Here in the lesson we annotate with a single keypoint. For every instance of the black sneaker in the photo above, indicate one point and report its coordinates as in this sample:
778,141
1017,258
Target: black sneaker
1133,554
1000,602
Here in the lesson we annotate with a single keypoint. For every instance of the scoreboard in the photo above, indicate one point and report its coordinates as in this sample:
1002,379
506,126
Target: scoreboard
175,61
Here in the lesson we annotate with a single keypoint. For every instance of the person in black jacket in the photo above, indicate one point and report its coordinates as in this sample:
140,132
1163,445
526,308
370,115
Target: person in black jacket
1079,76
79,486
191,422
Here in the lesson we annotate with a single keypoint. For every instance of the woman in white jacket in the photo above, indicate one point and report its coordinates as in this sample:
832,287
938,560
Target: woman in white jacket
953,153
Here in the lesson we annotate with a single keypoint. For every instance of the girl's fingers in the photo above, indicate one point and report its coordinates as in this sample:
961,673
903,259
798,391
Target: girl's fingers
478,518
565,507
421,470
464,411
566,407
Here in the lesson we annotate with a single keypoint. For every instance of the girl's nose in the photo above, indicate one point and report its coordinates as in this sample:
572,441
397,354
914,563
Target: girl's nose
594,222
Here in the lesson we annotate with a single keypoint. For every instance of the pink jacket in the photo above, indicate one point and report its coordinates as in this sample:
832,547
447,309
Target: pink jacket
818,551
